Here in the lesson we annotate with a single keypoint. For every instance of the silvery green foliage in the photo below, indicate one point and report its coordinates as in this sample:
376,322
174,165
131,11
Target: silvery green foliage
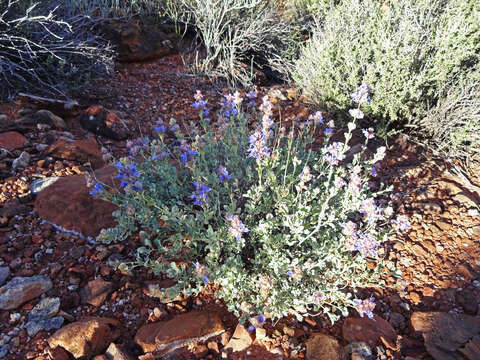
44,54
409,51
280,224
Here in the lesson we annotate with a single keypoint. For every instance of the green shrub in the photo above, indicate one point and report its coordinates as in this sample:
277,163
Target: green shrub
408,51
45,55
236,36
109,8
279,226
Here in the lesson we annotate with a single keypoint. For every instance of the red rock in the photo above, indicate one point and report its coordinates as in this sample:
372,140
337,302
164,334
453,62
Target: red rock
191,327
58,353
86,338
323,347
67,203
96,292
103,122
82,151
446,333
12,140
371,331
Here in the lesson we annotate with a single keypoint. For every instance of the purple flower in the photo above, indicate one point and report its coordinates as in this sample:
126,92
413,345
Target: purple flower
187,155
205,279
251,328
160,128
366,245
200,194
159,155
174,127
296,274
251,96
334,153
223,174
97,190
316,117
368,133
361,94
401,223
328,132
128,174
261,318
365,307
258,147
230,103
373,171
237,228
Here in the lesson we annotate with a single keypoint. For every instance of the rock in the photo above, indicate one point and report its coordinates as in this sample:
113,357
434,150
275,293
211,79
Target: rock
45,309
240,339
12,140
19,290
260,333
103,122
187,328
447,333
86,338
3,117
4,274
22,161
468,300
82,151
96,292
4,350
371,331
397,320
35,326
323,347
38,185
116,352
359,351
67,203
47,117
58,353
136,42
41,317
13,208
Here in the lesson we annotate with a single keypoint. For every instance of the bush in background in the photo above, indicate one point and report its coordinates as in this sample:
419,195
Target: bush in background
278,225
236,36
45,55
409,51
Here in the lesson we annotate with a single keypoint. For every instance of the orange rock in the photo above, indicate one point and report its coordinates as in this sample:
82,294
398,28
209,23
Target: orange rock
12,140
371,331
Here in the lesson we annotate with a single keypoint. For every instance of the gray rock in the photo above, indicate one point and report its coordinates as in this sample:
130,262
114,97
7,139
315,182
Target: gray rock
22,161
19,290
4,350
38,185
45,309
35,326
4,274
3,117
359,350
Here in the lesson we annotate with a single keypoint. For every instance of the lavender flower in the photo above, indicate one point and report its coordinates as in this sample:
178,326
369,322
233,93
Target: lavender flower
333,153
316,117
401,223
371,211
128,174
252,94
174,127
365,307
188,155
356,113
201,271
366,245
237,228
229,105
318,298
258,148
160,128
97,190
159,155
200,194
328,132
368,133
361,94
223,174
296,274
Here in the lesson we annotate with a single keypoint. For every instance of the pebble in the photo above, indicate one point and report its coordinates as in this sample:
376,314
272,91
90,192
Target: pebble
4,274
22,161
476,283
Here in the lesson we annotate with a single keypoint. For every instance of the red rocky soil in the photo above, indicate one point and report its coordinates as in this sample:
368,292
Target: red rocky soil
427,308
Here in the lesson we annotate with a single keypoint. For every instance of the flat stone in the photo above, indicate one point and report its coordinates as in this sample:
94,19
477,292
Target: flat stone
4,274
184,329
117,352
445,334
19,290
12,140
68,203
45,309
370,331
323,347
35,326
86,338
96,292
240,339
82,151
40,184
47,117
